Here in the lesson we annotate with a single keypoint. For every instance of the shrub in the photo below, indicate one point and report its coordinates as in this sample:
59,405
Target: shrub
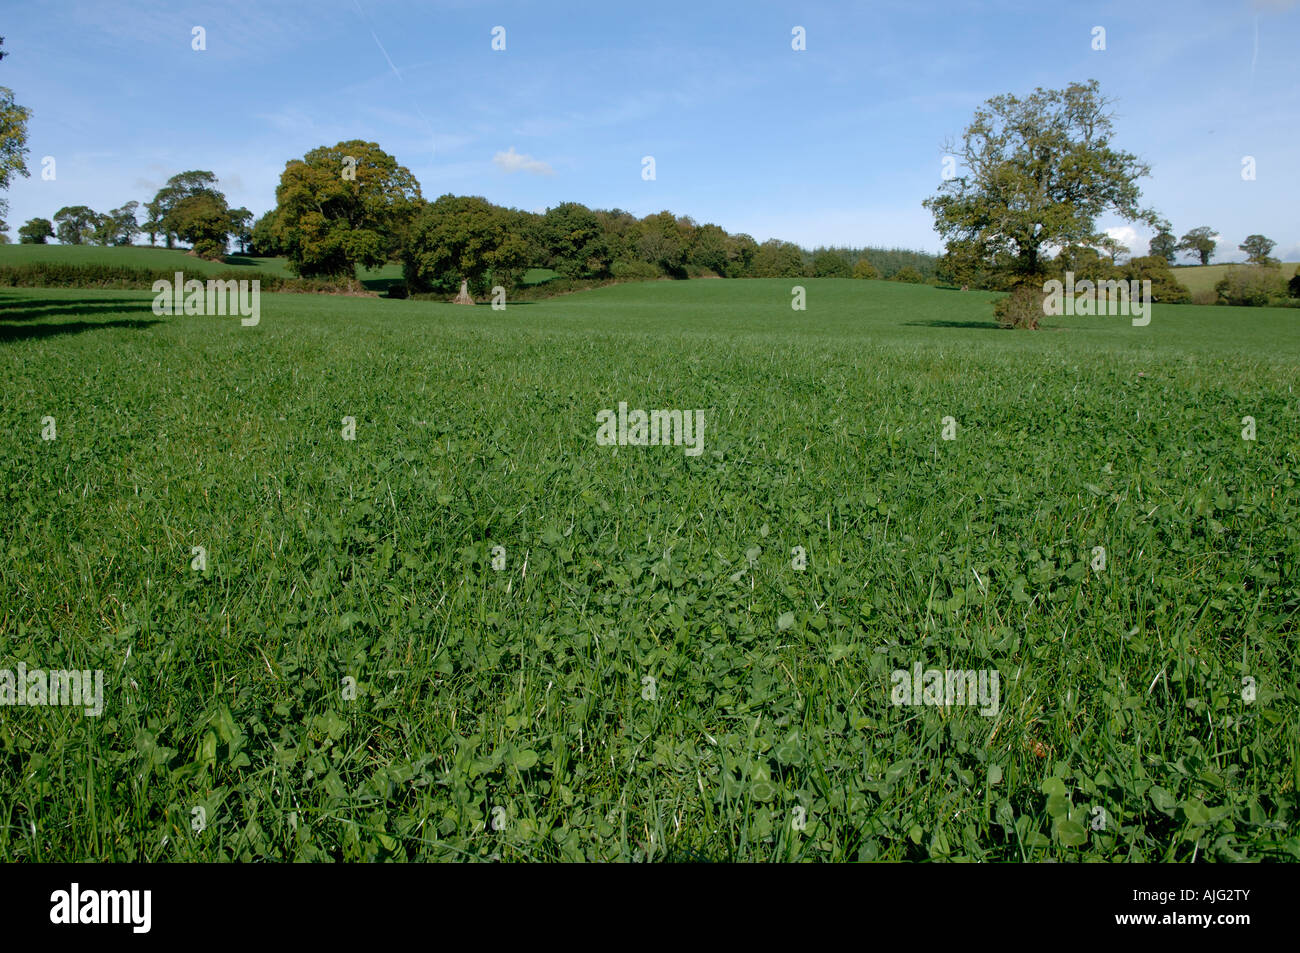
634,271
1023,308
1293,286
865,269
909,275
1251,286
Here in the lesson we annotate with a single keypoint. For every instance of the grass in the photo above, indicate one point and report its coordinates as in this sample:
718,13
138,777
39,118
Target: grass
1204,277
649,676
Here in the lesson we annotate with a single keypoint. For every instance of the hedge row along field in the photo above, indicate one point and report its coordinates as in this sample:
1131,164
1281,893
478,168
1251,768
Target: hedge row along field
472,632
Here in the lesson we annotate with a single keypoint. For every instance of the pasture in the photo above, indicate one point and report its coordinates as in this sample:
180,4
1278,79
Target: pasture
641,671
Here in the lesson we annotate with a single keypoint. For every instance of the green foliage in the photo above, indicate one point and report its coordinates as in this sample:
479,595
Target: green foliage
58,275
1039,172
1164,286
1258,249
634,271
75,223
1200,242
1293,286
1021,309
118,227
778,259
1164,244
344,205
830,264
665,242
13,141
571,242
865,269
908,275
161,212
463,238
1251,286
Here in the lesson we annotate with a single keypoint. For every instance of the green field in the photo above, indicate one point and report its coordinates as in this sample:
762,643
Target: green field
1204,277
649,676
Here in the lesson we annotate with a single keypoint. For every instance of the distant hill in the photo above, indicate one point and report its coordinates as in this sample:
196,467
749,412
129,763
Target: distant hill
1204,277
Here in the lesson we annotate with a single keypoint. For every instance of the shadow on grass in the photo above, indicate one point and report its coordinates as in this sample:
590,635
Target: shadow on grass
19,332
31,309
981,325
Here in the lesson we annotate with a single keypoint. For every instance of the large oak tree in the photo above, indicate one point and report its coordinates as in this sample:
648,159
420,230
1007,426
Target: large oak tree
341,206
1039,171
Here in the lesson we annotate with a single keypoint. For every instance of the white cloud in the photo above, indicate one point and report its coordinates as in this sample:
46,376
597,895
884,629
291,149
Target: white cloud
512,161
1126,235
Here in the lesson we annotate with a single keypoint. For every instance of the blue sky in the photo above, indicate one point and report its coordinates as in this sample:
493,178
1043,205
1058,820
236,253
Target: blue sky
836,144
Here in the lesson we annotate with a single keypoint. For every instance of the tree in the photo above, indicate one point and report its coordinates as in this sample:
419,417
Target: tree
1200,242
666,242
778,259
865,269
1164,244
344,205
741,249
1257,249
829,264
4,232
36,231
909,275
179,187
709,251
1155,268
572,241
1039,172
263,237
462,238
118,227
13,139
241,228
203,220
76,224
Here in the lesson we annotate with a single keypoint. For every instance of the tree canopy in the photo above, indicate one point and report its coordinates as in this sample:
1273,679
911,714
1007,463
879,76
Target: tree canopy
341,206
1039,171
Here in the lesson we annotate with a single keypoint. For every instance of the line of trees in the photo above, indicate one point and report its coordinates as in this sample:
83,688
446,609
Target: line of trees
352,205
188,208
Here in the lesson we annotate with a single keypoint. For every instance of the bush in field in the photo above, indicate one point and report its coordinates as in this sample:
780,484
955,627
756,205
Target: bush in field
828,264
1251,285
909,275
1293,286
1023,308
865,269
